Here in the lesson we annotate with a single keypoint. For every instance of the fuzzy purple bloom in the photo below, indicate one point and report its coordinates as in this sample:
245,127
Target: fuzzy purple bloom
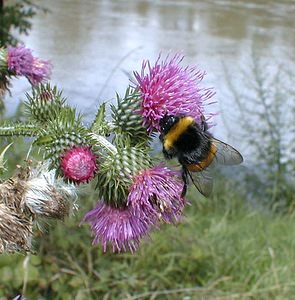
169,88
41,71
120,227
157,192
20,60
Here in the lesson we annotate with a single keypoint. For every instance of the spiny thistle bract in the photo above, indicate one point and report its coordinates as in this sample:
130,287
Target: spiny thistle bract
61,134
116,173
134,195
45,103
100,126
127,118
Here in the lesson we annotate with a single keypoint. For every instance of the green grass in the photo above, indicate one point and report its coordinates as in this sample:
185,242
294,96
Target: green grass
222,250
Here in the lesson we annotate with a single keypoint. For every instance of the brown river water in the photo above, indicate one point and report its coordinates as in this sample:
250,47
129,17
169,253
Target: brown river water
93,44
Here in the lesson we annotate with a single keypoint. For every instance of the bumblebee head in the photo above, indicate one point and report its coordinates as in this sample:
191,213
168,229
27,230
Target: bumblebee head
167,122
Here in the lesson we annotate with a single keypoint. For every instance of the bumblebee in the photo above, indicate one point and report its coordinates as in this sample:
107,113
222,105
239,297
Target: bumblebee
196,150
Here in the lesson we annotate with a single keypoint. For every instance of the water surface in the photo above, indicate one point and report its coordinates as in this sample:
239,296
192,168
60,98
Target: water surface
92,44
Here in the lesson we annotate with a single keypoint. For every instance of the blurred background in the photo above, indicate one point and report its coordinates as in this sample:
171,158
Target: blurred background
238,244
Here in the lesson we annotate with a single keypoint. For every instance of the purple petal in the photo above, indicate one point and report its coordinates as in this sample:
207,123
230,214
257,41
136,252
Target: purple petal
120,227
169,88
156,193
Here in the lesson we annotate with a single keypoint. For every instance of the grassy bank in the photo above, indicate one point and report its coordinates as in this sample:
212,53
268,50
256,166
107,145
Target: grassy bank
222,250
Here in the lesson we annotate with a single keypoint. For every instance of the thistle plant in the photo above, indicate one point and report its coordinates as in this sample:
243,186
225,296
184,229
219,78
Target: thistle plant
135,193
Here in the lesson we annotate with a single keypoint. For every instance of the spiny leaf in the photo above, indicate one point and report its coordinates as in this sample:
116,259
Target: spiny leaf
18,129
100,126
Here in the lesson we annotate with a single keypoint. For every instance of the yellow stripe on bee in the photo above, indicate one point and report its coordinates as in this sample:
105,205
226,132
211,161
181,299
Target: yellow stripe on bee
176,131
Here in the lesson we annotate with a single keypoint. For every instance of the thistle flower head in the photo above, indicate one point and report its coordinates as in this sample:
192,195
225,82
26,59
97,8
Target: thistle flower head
157,193
20,60
169,88
119,227
41,71
78,164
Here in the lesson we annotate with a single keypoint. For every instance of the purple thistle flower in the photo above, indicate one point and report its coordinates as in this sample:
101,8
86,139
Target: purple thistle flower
169,88
157,193
41,71
120,227
20,60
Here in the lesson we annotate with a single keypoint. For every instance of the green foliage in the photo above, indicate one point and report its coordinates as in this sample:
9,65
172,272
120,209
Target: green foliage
54,125
266,117
222,250
16,16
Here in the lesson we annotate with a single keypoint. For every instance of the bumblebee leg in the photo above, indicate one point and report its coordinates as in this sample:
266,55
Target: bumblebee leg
185,181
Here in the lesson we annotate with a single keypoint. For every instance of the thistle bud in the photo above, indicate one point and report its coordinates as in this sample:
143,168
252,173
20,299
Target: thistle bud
116,173
79,164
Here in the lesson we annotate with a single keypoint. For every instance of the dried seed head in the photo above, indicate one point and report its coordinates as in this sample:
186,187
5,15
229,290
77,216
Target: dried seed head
11,194
15,231
49,196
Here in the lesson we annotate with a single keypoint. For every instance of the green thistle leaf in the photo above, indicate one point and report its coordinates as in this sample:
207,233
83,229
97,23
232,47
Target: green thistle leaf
100,126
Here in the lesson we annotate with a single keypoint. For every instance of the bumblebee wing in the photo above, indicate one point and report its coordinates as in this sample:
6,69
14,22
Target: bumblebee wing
225,154
203,181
